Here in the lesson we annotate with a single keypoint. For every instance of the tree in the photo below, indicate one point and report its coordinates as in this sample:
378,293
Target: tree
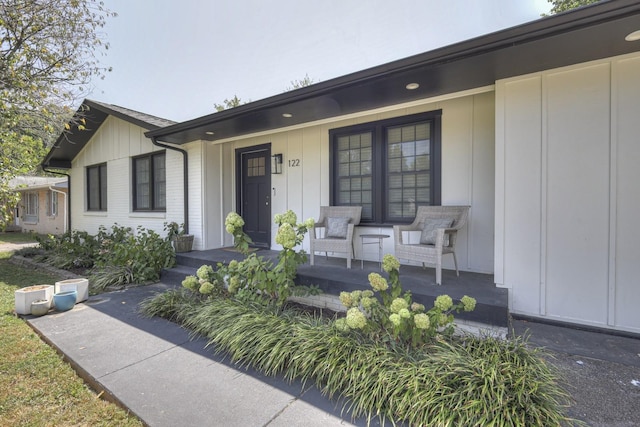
564,5
228,103
297,84
48,55
236,102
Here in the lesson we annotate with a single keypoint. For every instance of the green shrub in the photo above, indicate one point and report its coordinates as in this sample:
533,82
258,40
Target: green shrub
173,229
29,251
72,249
116,276
145,253
462,381
66,262
117,256
175,305
124,257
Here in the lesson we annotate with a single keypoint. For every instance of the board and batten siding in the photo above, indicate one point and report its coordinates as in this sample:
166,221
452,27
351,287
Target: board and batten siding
567,200
115,143
467,174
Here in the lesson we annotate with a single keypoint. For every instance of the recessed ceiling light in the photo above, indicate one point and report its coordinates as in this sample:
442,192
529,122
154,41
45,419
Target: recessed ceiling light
412,86
287,115
210,133
634,36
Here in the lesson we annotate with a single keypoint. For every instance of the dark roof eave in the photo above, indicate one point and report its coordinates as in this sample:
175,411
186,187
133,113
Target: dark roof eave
503,39
57,164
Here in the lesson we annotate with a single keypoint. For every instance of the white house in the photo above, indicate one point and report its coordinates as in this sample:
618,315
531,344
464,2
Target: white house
534,127
116,174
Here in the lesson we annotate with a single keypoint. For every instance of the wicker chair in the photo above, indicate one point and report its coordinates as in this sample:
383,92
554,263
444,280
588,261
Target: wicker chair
443,239
332,218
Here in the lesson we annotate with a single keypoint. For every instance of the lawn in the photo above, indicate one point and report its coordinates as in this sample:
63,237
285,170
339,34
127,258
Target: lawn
36,386
17,238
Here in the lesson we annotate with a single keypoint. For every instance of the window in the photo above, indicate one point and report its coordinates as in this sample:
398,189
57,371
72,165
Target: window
52,203
388,167
256,167
149,183
97,187
31,207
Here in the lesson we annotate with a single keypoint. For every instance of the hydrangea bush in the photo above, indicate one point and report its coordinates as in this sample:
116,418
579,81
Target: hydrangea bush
207,281
290,234
234,225
255,278
394,313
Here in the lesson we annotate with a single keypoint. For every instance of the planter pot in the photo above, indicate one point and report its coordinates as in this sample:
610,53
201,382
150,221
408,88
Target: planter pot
25,296
40,307
79,285
183,243
65,301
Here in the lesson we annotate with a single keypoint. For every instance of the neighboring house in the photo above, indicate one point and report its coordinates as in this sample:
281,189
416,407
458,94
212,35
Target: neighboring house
535,127
42,208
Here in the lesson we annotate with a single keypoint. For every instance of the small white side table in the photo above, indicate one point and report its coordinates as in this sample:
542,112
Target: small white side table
371,239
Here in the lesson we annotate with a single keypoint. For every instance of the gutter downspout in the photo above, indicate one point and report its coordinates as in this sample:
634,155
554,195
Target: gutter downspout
68,195
185,171
65,205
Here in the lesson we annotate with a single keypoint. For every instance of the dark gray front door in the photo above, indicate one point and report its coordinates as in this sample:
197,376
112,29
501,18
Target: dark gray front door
255,196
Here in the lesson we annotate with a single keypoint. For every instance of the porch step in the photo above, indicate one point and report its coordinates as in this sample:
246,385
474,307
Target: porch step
174,276
332,277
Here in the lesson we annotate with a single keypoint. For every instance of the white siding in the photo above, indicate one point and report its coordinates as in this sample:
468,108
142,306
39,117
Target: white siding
482,183
114,144
467,178
567,198
210,224
518,184
577,188
625,197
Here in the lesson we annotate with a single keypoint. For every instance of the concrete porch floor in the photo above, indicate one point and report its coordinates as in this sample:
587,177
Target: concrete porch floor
332,276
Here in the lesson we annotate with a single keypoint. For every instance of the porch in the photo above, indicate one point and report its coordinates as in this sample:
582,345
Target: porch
332,277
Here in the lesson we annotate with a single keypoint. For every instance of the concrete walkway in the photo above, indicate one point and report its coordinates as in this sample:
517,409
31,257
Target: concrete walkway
153,368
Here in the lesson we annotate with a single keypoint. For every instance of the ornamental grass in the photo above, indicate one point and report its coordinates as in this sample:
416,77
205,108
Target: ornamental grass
465,380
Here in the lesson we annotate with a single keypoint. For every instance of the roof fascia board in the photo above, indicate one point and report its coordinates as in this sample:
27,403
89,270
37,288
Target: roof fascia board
39,187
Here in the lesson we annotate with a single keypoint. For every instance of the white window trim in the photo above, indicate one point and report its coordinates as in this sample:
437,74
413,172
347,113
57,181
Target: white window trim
52,199
30,218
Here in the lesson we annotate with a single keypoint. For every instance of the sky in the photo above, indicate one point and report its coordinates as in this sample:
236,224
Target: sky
175,59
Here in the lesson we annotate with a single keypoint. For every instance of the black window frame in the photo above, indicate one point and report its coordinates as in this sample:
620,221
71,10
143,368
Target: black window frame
380,216
153,202
102,188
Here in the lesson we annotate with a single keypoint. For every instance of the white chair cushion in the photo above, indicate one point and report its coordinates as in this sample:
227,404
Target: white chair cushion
337,227
428,236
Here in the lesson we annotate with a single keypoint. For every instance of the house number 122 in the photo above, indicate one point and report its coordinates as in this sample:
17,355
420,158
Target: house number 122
294,163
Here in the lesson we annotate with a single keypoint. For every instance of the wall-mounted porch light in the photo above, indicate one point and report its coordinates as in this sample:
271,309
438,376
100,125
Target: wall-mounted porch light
276,164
